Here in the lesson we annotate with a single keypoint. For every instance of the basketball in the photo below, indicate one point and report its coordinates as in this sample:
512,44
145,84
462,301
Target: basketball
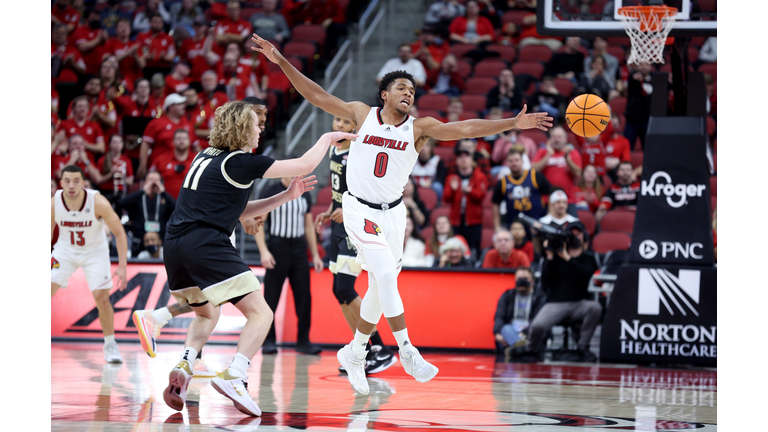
587,115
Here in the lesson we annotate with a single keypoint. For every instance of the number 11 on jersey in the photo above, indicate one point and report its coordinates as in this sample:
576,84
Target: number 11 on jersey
196,169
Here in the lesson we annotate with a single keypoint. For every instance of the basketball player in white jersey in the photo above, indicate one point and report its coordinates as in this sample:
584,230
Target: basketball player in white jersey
379,164
80,215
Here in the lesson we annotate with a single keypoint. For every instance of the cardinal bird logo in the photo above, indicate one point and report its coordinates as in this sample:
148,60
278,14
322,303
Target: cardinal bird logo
54,263
371,228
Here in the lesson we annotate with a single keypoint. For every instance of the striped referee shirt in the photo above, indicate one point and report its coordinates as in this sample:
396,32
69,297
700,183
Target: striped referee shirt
286,221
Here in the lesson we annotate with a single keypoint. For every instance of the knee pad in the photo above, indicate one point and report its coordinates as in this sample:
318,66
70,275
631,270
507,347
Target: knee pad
344,288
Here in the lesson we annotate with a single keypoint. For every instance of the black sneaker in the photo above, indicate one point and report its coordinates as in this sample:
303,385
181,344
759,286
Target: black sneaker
269,347
308,348
381,360
586,355
521,355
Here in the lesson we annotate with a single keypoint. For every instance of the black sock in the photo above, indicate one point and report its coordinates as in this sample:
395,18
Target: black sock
199,354
376,340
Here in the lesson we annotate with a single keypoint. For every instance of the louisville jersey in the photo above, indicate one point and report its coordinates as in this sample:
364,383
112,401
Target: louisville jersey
216,190
79,229
381,158
338,185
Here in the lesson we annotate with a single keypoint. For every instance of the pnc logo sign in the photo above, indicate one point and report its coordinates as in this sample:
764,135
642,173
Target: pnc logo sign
648,249
657,287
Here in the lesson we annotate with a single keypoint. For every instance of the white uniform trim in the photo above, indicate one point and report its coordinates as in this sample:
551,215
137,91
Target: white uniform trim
228,178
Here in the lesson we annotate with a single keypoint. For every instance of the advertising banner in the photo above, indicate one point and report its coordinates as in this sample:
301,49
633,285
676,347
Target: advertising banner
663,314
443,309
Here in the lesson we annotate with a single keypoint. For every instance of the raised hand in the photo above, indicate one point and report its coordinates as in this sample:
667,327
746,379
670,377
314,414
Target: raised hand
265,47
299,185
540,120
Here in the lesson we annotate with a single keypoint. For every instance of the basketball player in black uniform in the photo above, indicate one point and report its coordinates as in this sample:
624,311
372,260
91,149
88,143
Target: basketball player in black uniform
342,253
204,269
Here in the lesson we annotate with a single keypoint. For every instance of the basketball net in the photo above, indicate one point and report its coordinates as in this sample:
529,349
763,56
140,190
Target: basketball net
648,28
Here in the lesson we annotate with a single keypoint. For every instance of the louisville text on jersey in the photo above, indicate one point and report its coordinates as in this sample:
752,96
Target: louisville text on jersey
68,224
386,143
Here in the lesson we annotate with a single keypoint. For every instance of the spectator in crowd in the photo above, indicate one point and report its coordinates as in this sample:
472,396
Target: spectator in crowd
506,142
464,192
270,24
157,46
597,81
91,91
442,12
63,14
138,104
153,247
528,33
210,96
442,232
178,80
445,80
600,49
516,309
473,28
200,116
510,35
159,134
559,162
174,166
604,157
589,190
111,15
185,12
504,95
72,152
504,255
414,248
520,238
67,64
110,75
568,63
430,49
80,125
197,50
116,170
240,81
547,98
520,191
616,148
623,193
130,57
487,142
452,255
415,207
258,65
565,277
708,51
148,210
54,187
479,155
558,211
159,92
453,114
57,138
403,61
90,39
142,20
232,29
429,170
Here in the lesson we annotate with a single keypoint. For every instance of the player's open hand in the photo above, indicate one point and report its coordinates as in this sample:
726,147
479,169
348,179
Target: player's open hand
122,278
320,220
265,47
299,185
540,120
336,137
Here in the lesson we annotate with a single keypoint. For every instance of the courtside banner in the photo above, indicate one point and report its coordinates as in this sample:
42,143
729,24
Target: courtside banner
674,190
662,314
444,309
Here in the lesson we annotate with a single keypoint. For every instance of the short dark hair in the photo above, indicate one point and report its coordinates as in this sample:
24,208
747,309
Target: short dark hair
528,269
178,131
254,101
515,150
73,169
388,79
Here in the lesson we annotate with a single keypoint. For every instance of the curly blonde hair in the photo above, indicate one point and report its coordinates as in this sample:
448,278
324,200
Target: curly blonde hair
232,127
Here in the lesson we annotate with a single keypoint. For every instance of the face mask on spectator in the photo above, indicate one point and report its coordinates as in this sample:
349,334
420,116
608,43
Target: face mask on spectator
152,249
522,283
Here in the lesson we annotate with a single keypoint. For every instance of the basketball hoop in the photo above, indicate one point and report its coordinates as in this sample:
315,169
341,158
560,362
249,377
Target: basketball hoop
648,28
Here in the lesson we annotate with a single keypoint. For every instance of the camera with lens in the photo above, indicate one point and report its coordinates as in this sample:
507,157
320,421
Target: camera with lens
556,238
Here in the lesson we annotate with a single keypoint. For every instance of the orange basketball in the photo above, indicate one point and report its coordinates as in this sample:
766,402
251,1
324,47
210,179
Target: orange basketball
587,115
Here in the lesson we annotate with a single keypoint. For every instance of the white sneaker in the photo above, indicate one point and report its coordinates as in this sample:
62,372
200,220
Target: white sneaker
148,330
201,370
415,365
112,354
178,380
236,389
354,364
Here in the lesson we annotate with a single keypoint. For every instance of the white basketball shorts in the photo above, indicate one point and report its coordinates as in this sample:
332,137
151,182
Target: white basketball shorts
96,267
369,228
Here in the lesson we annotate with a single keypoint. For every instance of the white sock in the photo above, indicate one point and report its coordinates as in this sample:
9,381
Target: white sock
401,337
239,365
109,339
359,342
189,354
161,316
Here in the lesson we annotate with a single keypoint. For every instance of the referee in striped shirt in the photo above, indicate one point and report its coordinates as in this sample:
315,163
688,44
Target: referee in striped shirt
284,255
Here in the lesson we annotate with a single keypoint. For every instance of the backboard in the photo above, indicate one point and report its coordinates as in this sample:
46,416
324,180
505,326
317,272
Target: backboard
591,18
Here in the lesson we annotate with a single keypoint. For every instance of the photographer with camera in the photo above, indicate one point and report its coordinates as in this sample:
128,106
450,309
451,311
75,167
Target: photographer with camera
148,210
565,276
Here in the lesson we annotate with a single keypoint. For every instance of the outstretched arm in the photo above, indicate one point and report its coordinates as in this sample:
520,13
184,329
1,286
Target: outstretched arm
310,160
432,128
310,90
298,186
